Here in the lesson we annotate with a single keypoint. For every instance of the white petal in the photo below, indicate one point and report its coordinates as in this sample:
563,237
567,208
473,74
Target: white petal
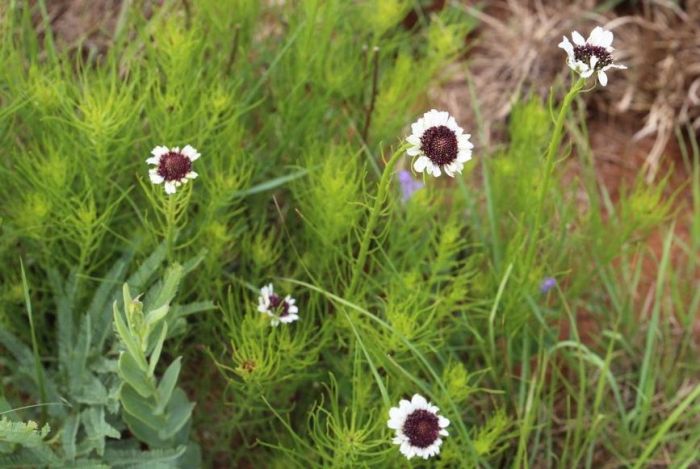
435,170
417,128
289,318
414,151
155,177
464,155
419,401
586,72
578,39
190,152
407,450
602,78
443,117
449,170
192,175
406,406
170,187
567,46
153,160
159,151
444,433
413,140
293,309
443,422
463,142
621,67
421,163
594,61
600,37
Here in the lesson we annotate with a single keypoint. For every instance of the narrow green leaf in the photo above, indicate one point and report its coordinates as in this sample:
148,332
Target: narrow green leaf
157,348
167,385
156,315
128,340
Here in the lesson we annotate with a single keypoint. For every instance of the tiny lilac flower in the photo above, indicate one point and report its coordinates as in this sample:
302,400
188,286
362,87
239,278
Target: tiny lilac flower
408,185
547,284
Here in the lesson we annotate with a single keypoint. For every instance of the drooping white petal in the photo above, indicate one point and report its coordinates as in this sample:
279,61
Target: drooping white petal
602,78
421,163
567,46
170,187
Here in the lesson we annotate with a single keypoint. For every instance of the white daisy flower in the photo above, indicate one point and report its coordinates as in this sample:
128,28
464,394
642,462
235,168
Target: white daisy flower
173,167
592,55
281,310
439,144
418,427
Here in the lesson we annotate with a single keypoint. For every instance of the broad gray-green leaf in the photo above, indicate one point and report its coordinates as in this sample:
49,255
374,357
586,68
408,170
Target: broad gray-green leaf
138,378
97,429
77,363
150,459
178,413
140,408
69,435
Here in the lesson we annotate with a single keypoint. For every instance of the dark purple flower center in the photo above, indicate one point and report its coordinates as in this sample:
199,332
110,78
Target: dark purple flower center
585,52
440,145
279,304
174,166
422,428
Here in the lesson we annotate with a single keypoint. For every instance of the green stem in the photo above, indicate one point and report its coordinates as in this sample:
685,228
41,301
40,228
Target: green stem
170,220
373,219
549,162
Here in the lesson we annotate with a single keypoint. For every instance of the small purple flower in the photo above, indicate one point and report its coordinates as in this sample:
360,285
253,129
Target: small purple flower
408,185
547,284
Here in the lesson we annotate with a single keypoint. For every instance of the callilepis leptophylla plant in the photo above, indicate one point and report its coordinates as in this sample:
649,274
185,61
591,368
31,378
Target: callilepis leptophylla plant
172,167
585,57
418,427
439,145
278,309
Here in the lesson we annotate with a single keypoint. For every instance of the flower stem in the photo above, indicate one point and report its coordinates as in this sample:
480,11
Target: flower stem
373,219
549,168
170,222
